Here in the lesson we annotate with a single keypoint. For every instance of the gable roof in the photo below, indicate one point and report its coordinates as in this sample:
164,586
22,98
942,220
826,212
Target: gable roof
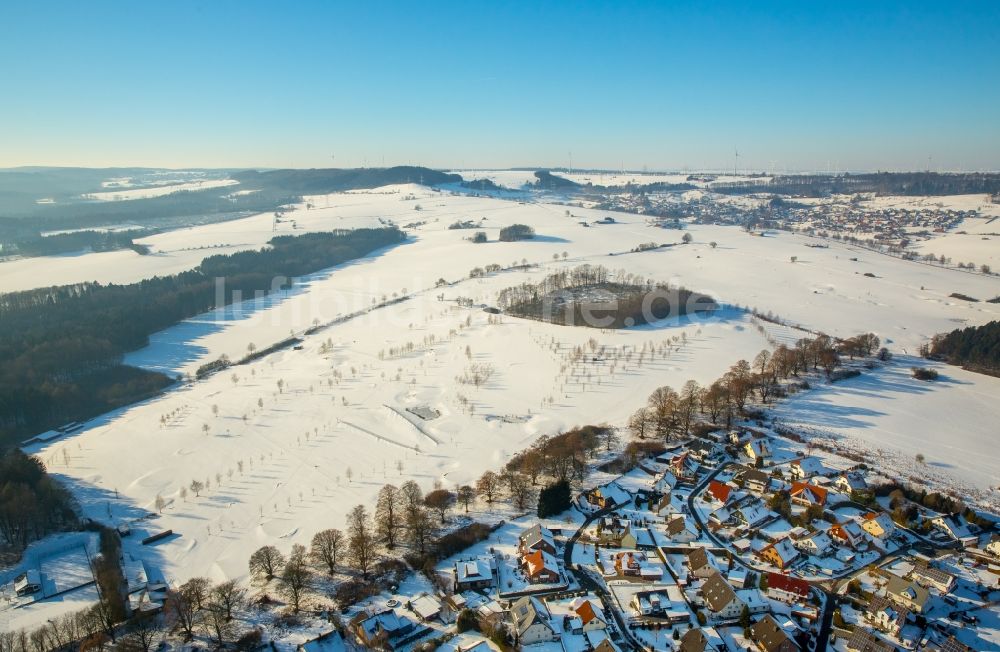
585,610
783,582
770,636
540,560
694,640
813,493
527,611
784,549
862,640
899,587
698,558
894,612
717,592
719,490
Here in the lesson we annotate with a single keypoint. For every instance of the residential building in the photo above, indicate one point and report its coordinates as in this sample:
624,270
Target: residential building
886,616
540,567
786,588
805,493
720,598
906,593
878,524
780,554
769,636
757,449
720,491
694,640
537,538
929,576
474,573
530,622
816,543
681,530
862,640
386,629
700,563
806,467
850,482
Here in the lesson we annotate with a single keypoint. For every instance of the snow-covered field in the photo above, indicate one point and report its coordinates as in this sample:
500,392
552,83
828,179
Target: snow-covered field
284,462
892,416
160,190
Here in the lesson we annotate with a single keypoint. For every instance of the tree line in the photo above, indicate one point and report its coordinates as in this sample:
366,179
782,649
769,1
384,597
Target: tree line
976,348
32,504
61,348
670,413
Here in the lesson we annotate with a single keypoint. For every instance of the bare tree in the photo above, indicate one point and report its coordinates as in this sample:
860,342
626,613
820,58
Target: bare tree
412,496
521,491
488,486
266,562
296,578
197,487
420,529
389,514
440,500
361,544
466,495
141,633
325,547
229,596
217,625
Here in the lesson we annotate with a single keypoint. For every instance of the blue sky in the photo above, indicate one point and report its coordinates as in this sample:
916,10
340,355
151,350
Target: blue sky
667,85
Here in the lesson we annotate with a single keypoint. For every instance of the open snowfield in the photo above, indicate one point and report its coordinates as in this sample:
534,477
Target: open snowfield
337,428
891,416
160,191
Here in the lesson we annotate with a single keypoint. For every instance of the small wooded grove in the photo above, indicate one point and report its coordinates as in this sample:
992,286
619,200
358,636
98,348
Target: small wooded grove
61,348
32,504
592,295
976,348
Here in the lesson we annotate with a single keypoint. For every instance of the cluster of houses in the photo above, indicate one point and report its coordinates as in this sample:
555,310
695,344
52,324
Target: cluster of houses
734,541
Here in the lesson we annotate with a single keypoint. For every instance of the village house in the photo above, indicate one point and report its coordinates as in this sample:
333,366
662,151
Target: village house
681,530
786,588
848,534
27,583
862,640
993,547
473,574
886,616
753,514
805,493
720,491
769,636
754,480
929,576
906,593
878,524
664,483
385,629
683,466
850,482
805,468
536,538
700,563
590,616
530,622
720,598
695,640
657,604
540,567
780,554
757,449
426,607
954,526
608,495
817,543
611,530
636,564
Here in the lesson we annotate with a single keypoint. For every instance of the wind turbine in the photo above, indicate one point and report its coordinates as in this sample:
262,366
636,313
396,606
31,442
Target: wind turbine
737,162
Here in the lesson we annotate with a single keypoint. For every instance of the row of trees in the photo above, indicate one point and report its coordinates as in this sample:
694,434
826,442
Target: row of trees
670,413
